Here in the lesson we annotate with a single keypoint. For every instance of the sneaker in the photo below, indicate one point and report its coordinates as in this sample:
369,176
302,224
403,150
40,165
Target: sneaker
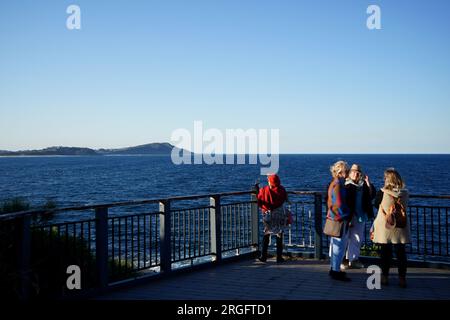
280,260
402,282
356,264
262,259
344,264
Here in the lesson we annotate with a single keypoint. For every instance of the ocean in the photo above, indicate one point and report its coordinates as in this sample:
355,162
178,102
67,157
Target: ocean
82,180
86,180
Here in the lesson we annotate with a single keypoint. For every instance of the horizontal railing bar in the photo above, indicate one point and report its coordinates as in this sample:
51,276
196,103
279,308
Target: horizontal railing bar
302,202
145,268
239,247
193,208
192,257
224,194
9,216
424,196
305,192
296,245
237,203
427,206
61,224
154,213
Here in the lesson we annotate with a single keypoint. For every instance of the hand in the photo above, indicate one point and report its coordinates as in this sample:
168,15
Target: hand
366,179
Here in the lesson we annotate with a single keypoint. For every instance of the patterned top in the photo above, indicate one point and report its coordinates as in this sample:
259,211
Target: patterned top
337,206
275,221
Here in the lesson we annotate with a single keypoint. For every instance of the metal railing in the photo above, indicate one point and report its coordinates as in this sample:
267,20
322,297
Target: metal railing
119,241
429,224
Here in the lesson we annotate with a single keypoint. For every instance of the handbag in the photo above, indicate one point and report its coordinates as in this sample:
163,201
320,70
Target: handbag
267,217
396,215
333,228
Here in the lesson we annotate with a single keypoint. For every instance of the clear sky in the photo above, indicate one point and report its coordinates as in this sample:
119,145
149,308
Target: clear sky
138,70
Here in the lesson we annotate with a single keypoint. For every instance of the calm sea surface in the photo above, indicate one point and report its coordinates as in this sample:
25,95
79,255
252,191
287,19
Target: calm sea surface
100,179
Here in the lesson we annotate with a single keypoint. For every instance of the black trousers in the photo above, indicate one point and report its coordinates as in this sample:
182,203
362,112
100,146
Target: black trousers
386,258
266,240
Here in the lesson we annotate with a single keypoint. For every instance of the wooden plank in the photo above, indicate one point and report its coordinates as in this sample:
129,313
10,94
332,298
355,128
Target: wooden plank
293,280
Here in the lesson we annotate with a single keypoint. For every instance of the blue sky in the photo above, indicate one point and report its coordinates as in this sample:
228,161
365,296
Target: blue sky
137,70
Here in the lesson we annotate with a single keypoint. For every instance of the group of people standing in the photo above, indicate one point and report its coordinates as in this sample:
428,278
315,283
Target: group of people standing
351,199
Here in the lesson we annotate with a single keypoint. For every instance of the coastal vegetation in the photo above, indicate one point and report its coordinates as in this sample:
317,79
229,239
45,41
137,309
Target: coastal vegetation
372,250
52,252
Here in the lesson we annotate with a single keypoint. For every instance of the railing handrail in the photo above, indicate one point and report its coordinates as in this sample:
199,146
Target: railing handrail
9,216
418,196
424,196
306,192
14,215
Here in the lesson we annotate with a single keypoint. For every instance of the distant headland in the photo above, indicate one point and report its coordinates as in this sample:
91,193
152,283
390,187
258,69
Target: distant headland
145,149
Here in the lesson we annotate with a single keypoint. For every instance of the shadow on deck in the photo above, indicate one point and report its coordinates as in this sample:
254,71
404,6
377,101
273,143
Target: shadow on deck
296,279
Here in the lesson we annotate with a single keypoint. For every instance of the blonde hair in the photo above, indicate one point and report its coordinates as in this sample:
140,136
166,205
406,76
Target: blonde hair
338,167
392,179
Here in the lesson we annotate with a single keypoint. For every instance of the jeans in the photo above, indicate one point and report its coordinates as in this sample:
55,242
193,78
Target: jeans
337,249
355,238
386,257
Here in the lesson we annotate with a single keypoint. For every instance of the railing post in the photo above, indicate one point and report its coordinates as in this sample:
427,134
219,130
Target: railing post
165,236
101,245
255,219
318,225
215,225
23,234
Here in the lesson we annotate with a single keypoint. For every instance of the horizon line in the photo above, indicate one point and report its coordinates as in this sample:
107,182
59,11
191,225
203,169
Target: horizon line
235,154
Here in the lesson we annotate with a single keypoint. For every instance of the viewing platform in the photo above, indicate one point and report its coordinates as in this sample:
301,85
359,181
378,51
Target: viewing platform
204,247
296,279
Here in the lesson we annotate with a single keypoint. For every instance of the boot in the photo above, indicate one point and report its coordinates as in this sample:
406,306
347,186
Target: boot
339,275
280,249
355,264
265,247
402,282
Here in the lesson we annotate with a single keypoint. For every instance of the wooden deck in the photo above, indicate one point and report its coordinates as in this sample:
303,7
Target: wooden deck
293,280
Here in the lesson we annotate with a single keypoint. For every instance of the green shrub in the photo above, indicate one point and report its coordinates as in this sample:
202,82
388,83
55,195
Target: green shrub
14,205
51,254
372,250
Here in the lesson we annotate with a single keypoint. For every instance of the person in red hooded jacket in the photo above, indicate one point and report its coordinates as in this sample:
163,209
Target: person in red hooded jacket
271,200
